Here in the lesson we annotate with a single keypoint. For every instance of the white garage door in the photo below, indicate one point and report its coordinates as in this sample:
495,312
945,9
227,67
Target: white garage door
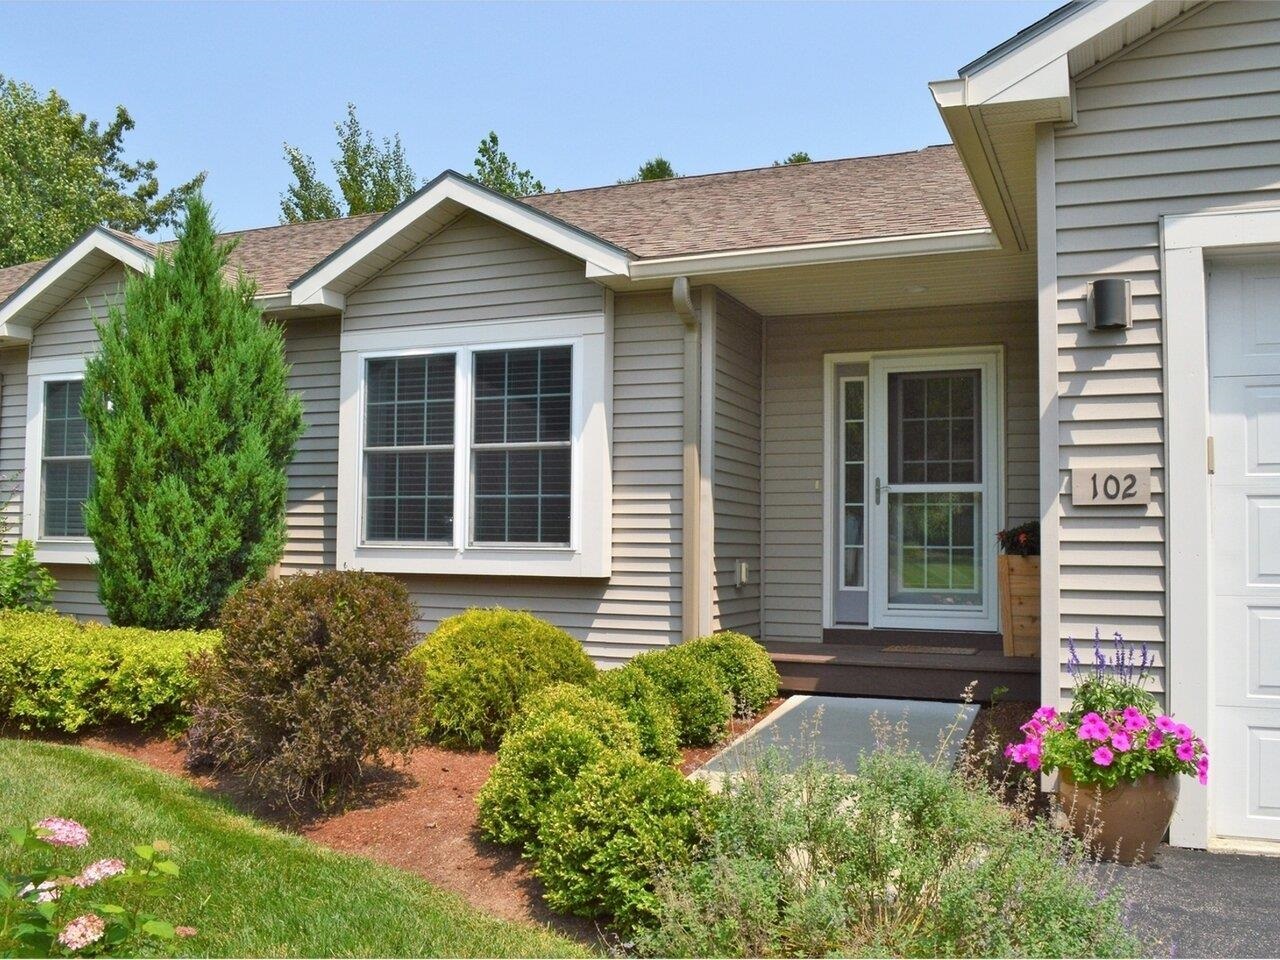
1244,398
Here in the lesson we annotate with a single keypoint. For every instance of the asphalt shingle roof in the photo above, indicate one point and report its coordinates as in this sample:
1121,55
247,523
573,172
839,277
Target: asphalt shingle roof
924,191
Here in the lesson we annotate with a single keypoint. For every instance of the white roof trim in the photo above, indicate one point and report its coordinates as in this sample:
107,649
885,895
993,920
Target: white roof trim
839,251
313,286
37,288
991,80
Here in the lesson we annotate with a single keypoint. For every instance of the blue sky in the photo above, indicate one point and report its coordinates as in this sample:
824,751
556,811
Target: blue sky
579,93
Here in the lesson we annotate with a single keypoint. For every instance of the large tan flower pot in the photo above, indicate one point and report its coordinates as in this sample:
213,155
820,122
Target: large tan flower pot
1019,579
1125,823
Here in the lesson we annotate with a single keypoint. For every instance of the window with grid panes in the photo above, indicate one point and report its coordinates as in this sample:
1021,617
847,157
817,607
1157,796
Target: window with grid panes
522,445
409,448
65,466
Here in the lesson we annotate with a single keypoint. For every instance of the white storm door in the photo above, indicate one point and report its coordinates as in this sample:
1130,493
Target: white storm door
1244,401
935,492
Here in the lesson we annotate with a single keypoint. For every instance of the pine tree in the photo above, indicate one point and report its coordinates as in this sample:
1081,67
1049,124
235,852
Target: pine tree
192,428
659,168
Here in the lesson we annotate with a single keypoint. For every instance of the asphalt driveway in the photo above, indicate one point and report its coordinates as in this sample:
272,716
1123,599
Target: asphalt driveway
1197,904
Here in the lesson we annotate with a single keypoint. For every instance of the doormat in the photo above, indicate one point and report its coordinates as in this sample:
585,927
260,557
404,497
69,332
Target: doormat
912,648
840,730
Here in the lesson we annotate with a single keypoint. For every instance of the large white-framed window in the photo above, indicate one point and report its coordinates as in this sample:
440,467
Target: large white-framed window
477,449
57,470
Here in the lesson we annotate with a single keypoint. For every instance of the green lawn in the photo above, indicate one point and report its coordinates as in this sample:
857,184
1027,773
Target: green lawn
252,891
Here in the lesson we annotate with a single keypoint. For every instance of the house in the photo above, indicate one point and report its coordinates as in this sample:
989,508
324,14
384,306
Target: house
800,401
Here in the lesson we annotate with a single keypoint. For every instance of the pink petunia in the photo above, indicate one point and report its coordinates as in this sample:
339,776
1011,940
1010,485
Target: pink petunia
1185,751
1135,721
1033,727
1103,757
1183,732
1155,741
1166,723
61,832
1046,714
1202,769
1120,740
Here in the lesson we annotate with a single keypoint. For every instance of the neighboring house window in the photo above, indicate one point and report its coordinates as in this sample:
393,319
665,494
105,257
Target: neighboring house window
409,451
64,460
521,445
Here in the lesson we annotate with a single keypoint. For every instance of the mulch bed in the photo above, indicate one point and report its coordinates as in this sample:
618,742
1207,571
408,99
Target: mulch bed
419,817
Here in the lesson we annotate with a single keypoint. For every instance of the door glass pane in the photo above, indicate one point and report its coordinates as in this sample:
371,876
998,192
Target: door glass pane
935,559
935,427
853,495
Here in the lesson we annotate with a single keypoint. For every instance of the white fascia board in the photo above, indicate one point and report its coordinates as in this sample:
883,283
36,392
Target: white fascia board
1039,51
841,251
317,286
96,240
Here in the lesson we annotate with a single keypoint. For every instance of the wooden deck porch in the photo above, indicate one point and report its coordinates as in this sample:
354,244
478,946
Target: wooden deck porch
923,665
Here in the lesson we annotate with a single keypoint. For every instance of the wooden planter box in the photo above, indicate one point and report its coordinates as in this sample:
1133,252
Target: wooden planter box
1020,605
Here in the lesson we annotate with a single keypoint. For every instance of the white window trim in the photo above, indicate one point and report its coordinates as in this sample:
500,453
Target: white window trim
78,550
589,551
1186,241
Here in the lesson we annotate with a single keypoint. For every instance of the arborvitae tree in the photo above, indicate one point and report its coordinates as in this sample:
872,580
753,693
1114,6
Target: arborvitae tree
191,429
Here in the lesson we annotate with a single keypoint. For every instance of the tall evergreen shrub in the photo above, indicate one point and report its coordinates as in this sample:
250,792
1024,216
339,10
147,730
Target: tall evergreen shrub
191,430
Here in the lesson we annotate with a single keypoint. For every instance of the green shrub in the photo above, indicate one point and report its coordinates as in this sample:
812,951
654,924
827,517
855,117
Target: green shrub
311,683
623,821
902,859
478,666
25,583
646,706
743,665
703,706
560,730
57,674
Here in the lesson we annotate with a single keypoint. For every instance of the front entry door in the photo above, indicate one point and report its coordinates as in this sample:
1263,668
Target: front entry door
1244,406
934,491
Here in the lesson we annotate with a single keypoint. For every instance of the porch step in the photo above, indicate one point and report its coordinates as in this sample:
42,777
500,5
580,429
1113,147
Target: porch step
938,670
882,637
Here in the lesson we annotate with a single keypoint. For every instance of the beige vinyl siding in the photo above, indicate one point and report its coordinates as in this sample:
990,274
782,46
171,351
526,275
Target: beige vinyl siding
477,270
70,332
473,270
738,347
1185,122
793,440
13,433
311,347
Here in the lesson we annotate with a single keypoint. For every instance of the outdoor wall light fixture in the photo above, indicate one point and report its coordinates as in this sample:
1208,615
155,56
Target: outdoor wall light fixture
1110,304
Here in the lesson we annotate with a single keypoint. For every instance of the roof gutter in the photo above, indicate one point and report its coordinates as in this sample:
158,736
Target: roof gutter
809,254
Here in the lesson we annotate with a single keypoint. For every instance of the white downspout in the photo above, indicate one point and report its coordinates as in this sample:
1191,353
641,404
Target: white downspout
691,587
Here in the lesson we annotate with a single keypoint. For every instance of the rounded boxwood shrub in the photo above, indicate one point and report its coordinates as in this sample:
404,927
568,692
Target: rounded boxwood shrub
702,704
646,706
623,820
561,729
478,666
743,665
311,682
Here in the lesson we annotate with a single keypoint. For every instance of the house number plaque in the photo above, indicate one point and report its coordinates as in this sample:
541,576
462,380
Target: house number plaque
1110,486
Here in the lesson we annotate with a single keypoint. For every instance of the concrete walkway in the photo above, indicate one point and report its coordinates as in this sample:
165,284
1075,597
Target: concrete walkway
1191,903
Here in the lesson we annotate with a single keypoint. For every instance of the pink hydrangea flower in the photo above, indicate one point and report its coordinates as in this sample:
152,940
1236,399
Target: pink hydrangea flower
184,932
47,892
1120,740
1155,741
1185,751
1103,757
98,871
60,832
82,931
1166,723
